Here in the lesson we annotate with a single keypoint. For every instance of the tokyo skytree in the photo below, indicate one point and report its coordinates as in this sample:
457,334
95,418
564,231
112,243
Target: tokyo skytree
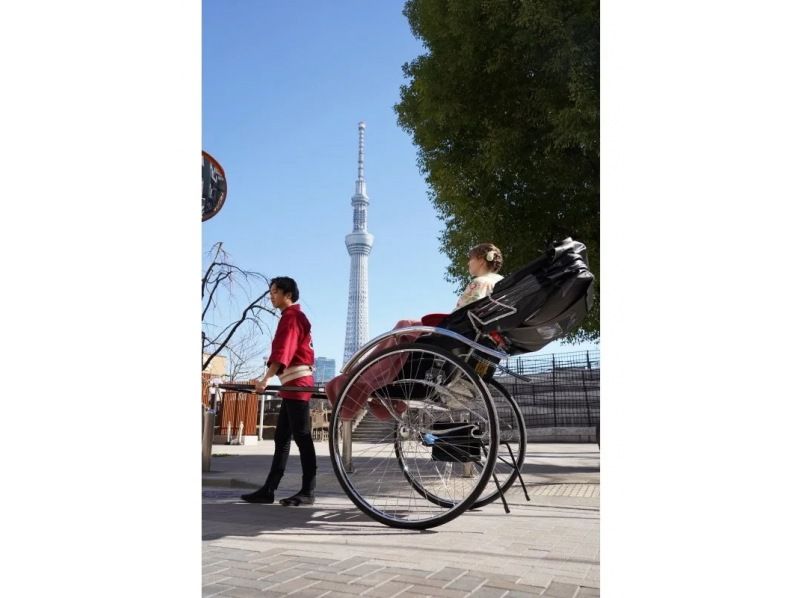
359,245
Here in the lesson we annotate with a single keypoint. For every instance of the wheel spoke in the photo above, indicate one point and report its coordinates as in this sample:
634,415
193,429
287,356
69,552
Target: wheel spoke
427,469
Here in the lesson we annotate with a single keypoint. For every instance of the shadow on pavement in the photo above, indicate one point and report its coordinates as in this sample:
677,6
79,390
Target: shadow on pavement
323,518
545,468
224,514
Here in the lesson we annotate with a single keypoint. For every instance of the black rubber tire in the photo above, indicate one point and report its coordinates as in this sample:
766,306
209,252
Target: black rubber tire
455,509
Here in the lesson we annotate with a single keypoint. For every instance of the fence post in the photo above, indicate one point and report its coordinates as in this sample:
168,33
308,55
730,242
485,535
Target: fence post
261,419
208,429
347,445
597,425
555,417
585,391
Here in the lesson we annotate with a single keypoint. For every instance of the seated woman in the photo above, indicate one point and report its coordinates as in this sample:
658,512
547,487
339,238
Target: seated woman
485,260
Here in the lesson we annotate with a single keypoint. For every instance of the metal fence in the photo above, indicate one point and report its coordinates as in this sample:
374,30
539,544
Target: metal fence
564,391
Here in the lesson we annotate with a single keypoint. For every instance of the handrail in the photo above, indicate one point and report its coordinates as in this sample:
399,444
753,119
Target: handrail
317,392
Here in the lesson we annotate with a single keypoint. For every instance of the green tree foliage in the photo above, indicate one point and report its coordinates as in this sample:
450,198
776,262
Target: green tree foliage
504,109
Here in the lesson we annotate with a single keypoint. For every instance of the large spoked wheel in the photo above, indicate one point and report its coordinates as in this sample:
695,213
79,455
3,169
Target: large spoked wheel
511,450
513,442
426,405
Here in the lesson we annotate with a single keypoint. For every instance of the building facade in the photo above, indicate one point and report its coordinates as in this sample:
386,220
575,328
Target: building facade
324,369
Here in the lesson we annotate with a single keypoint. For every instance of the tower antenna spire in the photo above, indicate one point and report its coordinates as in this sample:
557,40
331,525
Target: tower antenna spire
359,246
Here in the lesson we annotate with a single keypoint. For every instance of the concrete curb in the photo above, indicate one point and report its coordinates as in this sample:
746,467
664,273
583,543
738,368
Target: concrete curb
227,482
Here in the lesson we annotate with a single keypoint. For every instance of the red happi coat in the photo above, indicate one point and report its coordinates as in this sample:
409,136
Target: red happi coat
293,346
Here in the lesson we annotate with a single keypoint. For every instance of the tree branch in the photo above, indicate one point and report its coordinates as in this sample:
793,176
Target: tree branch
235,327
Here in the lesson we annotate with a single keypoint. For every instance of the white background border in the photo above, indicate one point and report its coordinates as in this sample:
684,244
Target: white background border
100,154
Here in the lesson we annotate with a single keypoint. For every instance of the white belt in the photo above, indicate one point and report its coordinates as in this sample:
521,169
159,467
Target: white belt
294,372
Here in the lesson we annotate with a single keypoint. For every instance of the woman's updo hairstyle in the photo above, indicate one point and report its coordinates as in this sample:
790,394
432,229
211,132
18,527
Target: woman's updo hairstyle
490,253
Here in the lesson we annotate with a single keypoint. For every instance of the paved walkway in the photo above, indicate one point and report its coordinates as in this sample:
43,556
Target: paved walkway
547,547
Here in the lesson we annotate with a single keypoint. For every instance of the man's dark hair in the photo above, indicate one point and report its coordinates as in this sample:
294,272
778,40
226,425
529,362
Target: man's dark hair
287,285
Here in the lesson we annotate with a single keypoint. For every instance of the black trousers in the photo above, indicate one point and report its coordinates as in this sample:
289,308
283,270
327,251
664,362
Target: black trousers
294,421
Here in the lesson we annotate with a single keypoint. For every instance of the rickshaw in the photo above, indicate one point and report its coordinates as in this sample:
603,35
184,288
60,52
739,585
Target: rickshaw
444,436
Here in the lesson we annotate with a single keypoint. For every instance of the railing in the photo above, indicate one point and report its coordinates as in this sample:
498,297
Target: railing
564,388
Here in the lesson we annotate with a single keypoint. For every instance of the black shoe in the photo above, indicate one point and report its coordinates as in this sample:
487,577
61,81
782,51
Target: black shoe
262,495
298,499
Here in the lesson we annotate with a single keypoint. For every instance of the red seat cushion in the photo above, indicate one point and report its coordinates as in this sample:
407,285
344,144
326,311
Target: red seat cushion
433,319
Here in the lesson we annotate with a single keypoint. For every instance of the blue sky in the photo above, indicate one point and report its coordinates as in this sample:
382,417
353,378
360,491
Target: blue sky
284,87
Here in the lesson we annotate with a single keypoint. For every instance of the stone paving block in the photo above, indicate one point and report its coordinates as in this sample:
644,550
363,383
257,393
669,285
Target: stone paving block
214,569
313,560
570,571
236,554
374,579
214,589
241,582
534,591
334,577
410,570
387,590
309,592
348,563
268,555
364,569
493,578
242,593
536,577
397,561
298,568
282,565
466,583
560,590
274,562
232,564
438,592
539,571
447,573
484,592
290,586
417,580
586,592
281,576
564,562
345,588
213,578
514,587
569,580
244,573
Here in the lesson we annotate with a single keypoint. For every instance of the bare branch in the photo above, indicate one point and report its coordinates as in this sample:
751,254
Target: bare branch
241,337
217,249
217,281
235,327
